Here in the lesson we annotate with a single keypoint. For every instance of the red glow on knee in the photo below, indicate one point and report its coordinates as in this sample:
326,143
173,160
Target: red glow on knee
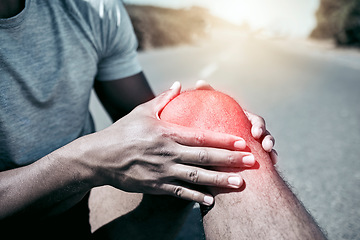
215,111
207,110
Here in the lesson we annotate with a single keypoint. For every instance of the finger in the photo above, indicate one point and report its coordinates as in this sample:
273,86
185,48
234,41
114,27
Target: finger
203,138
188,194
268,142
164,98
203,85
215,157
258,125
205,177
274,156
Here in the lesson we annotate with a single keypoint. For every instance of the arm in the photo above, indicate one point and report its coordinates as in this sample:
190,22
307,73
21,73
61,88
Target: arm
137,153
133,212
154,216
121,96
25,191
51,185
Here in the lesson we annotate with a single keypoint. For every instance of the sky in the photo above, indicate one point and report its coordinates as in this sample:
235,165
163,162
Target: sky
293,18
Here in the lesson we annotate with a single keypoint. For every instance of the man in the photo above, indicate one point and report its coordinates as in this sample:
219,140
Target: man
263,208
50,54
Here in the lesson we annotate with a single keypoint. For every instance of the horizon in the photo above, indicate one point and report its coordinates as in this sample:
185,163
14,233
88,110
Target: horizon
290,18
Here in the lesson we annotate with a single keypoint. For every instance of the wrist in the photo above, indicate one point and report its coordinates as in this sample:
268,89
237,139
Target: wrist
76,157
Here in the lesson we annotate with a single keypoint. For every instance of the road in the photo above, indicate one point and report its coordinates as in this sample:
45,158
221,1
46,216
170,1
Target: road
309,96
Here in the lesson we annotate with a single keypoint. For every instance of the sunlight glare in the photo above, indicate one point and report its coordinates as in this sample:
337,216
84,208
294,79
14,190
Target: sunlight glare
279,16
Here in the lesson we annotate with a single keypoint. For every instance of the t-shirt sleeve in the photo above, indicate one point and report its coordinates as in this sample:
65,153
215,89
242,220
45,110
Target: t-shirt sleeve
118,43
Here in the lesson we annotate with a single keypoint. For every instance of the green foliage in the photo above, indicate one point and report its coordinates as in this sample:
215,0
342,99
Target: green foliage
340,20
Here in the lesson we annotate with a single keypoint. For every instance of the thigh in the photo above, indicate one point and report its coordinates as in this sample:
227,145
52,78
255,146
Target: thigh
107,203
116,214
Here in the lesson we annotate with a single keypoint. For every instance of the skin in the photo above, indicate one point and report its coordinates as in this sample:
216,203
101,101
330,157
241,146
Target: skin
263,208
92,160
9,8
157,158
170,212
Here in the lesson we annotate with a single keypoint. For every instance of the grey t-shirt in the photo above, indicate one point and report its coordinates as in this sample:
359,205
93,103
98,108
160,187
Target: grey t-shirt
50,54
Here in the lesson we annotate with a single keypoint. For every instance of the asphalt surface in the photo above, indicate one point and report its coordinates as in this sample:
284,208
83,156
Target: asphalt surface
309,95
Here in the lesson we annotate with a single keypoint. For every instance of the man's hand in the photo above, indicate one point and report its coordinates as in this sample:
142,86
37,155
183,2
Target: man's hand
140,153
258,129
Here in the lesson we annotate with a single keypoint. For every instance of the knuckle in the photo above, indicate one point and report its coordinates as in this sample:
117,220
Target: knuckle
165,152
231,159
217,180
193,176
200,138
203,156
166,133
178,191
161,130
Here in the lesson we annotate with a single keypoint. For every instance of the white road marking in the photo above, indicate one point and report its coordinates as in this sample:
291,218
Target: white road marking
212,67
208,70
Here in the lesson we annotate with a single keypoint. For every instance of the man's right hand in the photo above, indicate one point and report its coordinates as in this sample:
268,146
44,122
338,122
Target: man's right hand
140,153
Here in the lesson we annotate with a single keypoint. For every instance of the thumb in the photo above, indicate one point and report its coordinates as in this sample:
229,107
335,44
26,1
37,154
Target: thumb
164,98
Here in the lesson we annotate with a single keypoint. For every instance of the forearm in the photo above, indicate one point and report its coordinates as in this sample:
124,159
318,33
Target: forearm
265,208
53,184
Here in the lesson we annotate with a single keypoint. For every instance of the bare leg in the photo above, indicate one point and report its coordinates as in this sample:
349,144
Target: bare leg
265,208
107,203
119,215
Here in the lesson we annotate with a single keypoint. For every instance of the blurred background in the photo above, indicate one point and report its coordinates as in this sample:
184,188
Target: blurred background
296,63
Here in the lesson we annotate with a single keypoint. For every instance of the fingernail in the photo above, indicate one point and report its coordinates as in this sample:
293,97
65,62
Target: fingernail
240,144
234,181
268,145
249,160
256,132
208,200
175,84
